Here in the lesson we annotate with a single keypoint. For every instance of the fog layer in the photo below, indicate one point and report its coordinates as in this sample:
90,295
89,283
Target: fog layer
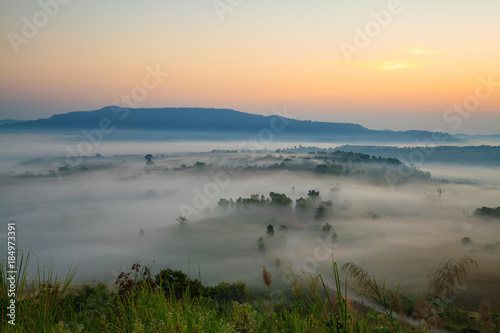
118,209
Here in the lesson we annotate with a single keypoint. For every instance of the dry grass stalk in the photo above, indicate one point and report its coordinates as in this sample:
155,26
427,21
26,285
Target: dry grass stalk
359,276
296,287
434,320
266,277
424,312
333,307
449,275
485,315
421,308
396,300
485,311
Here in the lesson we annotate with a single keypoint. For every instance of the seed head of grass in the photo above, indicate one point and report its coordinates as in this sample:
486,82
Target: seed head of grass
449,275
266,277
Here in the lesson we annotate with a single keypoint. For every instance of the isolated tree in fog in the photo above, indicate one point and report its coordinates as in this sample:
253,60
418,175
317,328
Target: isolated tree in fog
334,237
466,240
302,204
270,230
320,213
224,203
260,244
280,199
149,159
324,208
313,194
183,221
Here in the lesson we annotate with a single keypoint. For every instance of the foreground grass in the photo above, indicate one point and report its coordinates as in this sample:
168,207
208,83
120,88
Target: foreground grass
45,303
174,303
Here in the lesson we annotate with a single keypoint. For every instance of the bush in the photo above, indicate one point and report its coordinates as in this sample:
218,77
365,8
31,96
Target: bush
176,284
225,292
487,212
90,301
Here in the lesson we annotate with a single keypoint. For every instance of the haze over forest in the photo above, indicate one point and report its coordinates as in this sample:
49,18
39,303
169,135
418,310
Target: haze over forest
113,205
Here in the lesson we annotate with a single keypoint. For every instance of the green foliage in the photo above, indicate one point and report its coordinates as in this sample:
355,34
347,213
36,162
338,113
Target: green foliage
149,311
149,159
283,228
244,318
225,292
260,244
330,168
270,230
280,199
327,227
409,302
138,277
302,204
48,304
275,199
254,200
224,203
466,240
325,208
41,300
90,302
487,212
313,194
183,221
492,247
176,284
377,292
329,307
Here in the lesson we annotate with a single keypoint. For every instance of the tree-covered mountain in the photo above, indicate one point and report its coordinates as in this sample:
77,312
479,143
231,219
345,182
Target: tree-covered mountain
223,124
461,155
9,121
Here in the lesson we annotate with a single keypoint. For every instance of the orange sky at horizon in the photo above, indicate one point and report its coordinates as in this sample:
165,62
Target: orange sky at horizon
425,60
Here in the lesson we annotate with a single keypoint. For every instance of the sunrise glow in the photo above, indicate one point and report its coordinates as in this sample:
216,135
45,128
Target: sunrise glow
327,60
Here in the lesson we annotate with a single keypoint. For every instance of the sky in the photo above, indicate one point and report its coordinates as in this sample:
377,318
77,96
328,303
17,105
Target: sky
394,64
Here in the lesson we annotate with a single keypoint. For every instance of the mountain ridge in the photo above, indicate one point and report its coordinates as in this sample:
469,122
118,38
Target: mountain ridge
218,122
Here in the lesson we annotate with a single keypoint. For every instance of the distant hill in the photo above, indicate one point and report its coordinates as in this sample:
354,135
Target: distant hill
466,155
9,121
218,124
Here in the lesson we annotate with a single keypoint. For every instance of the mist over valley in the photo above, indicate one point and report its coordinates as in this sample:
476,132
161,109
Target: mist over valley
114,207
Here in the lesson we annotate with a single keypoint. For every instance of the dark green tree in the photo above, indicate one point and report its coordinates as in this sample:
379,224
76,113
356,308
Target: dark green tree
313,194
270,230
280,199
183,221
149,159
176,284
260,245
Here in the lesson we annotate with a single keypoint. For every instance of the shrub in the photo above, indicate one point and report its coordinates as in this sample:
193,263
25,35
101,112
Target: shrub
176,284
226,292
